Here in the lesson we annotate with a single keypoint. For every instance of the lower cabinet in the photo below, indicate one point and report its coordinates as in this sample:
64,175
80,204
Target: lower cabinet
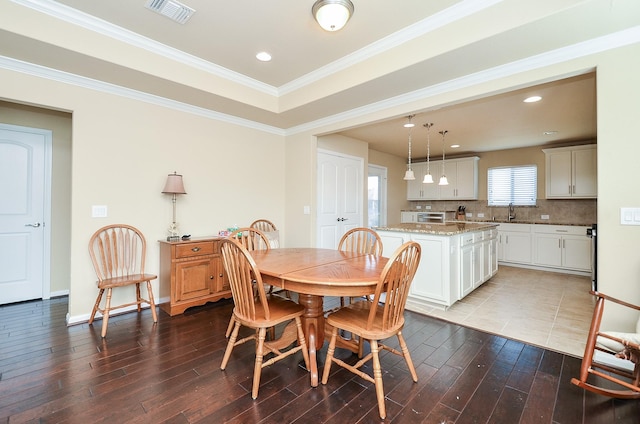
191,274
514,243
450,266
560,246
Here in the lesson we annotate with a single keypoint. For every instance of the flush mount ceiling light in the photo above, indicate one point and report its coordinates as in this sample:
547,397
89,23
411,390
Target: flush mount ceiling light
409,174
532,99
332,15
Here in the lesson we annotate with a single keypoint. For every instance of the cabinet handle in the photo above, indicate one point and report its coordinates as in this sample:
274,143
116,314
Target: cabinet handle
559,244
211,277
195,249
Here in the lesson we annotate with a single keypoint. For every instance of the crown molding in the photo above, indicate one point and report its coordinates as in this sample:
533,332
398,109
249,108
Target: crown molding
101,86
597,45
420,28
91,23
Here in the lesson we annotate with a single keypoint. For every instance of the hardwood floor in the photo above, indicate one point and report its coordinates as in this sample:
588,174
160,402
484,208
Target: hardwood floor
170,373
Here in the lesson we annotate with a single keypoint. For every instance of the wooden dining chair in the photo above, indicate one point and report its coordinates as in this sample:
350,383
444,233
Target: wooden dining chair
118,256
269,229
360,240
375,321
259,312
251,239
611,361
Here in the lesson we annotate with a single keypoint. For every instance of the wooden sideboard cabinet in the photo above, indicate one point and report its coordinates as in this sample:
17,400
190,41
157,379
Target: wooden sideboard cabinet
191,274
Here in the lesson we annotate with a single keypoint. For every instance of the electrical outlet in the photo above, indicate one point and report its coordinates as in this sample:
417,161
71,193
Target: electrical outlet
544,216
480,215
469,215
418,207
428,207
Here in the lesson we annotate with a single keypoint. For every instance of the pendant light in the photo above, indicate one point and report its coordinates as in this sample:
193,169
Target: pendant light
409,174
428,178
443,179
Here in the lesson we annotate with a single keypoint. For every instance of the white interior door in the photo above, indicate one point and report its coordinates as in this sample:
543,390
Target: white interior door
24,188
340,196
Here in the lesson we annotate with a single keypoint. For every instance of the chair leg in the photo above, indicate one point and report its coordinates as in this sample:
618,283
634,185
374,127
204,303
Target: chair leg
230,344
257,370
377,377
330,352
407,356
105,315
96,306
230,326
303,342
152,302
138,297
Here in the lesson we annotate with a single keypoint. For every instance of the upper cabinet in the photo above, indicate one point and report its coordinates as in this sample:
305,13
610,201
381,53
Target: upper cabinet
571,172
461,173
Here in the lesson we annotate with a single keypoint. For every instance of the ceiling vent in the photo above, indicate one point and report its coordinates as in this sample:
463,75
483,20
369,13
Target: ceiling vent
171,9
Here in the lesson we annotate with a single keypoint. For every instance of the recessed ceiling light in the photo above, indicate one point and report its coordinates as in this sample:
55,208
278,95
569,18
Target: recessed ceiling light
455,146
263,57
532,99
550,132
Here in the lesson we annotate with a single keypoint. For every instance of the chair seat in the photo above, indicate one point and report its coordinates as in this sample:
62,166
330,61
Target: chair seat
351,317
280,310
125,280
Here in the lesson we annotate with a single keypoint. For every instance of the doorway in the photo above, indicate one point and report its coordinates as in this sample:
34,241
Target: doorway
25,162
377,196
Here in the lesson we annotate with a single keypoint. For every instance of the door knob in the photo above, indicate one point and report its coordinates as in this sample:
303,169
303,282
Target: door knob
36,225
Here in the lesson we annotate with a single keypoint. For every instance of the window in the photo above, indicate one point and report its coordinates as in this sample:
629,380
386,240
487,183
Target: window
512,184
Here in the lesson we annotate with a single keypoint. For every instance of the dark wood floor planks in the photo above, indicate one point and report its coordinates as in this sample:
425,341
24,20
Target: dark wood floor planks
170,373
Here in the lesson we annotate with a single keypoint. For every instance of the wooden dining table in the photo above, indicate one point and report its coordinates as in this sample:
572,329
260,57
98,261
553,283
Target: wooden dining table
314,273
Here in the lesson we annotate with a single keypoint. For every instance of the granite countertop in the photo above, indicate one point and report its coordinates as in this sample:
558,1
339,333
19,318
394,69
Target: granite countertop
446,229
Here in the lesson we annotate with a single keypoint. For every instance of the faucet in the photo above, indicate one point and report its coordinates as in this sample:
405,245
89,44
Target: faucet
512,212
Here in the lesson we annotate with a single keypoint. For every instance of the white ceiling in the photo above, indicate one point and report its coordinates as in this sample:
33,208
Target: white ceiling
388,54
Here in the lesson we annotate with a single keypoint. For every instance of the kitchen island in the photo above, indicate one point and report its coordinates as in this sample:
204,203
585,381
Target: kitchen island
457,257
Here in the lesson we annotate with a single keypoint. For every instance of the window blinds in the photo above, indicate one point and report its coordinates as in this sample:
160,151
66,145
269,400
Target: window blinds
513,184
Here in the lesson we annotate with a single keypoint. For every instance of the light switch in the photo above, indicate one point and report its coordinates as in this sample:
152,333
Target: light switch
99,211
630,216
306,210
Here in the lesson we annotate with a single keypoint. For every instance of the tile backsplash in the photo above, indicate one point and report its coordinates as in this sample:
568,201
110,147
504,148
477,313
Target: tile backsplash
573,212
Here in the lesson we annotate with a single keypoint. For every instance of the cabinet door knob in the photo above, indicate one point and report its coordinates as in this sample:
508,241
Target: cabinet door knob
221,275
195,249
211,277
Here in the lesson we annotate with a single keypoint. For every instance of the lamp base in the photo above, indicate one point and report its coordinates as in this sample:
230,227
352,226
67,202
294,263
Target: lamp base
173,238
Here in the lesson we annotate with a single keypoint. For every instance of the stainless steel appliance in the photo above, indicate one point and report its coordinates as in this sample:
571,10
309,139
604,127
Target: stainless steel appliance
435,217
593,233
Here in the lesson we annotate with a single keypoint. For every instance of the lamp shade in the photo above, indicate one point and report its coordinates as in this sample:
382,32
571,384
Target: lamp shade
409,175
332,15
428,179
443,180
174,184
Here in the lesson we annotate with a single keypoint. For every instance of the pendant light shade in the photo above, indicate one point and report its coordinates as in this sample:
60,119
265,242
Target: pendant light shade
443,179
428,178
409,175
332,15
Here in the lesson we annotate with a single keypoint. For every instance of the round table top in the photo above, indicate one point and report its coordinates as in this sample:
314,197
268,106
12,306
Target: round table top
323,272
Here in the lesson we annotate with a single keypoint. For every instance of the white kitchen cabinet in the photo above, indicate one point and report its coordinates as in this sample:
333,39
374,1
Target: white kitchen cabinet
562,246
408,217
463,179
571,172
477,259
515,243
437,269
415,187
461,173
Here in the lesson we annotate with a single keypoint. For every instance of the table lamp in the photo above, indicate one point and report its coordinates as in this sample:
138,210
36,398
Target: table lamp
174,186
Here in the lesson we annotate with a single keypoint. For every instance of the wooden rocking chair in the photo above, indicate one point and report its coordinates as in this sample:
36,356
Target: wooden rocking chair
612,356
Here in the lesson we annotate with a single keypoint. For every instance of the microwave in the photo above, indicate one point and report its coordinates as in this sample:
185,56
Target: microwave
435,217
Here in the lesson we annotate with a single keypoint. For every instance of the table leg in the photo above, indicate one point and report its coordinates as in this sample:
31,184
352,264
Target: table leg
313,324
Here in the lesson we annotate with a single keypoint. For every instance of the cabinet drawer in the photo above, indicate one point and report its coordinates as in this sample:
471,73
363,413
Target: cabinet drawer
560,229
467,239
195,249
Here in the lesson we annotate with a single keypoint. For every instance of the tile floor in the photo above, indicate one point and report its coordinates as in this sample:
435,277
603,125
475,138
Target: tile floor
546,309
